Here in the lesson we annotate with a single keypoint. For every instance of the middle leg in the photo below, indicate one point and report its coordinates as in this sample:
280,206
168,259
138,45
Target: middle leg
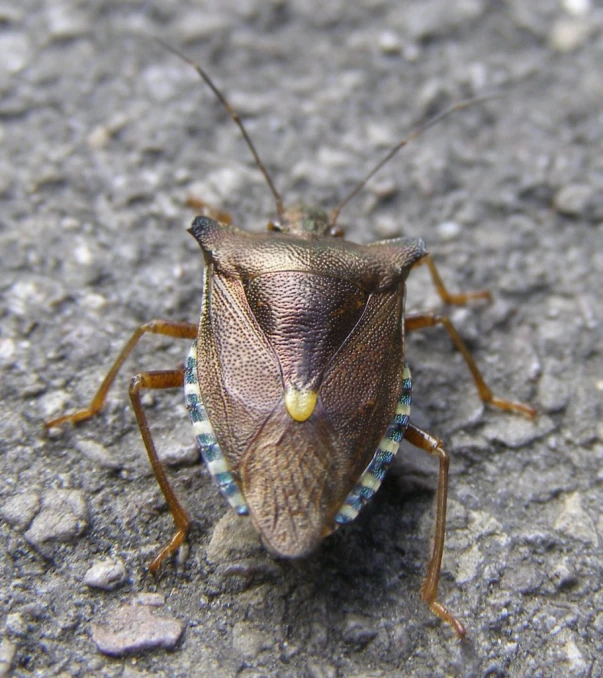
419,321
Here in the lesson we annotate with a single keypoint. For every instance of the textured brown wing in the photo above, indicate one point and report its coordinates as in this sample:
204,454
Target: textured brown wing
287,481
239,376
361,386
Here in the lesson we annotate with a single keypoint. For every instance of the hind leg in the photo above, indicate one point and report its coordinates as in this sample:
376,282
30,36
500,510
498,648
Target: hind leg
429,590
160,380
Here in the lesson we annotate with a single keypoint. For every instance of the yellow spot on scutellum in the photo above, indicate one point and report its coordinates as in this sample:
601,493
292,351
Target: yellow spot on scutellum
300,404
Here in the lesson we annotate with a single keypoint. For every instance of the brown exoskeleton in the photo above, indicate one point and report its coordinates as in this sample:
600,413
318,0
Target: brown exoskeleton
296,382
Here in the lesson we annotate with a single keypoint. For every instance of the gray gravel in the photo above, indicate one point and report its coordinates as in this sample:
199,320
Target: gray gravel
104,135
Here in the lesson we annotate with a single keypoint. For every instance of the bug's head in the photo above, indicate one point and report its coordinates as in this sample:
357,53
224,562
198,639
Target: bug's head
306,221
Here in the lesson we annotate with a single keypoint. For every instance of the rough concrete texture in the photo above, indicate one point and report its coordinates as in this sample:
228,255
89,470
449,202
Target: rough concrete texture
103,136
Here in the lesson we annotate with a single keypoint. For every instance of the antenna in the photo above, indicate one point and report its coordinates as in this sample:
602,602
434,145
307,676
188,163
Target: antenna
458,106
235,116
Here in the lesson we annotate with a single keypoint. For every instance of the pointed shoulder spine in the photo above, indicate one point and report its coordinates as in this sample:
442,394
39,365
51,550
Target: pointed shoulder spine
205,231
402,253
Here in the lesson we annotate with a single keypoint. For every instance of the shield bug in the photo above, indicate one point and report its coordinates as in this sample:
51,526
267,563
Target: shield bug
296,382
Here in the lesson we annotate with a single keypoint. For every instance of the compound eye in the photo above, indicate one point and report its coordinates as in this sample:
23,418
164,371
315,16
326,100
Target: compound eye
336,232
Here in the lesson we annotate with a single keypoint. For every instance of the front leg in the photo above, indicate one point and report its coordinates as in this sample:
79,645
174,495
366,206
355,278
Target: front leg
459,299
419,321
165,327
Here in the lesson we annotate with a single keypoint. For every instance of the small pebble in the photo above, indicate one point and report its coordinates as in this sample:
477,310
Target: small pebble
131,672
148,400
332,158
448,230
106,574
379,134
66,23
99,137
92,301
98,454
15,52
134,629
553,393
387,226
567,35
62,518
218,185
482,524
358,630
7,655
431,92
52,404
233,538
249,641
389,42
177,454
31,292
316,670
70,224
198,24
162,82
518,431
17,625
250,103
562,574
468,564
20,510
383,189
577,665
152,599
576,7
102,135
575,522
8,350
573,200
319,637
583,414
525,579
81,253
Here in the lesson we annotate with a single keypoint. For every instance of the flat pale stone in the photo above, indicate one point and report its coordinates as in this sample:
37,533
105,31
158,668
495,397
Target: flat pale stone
134,629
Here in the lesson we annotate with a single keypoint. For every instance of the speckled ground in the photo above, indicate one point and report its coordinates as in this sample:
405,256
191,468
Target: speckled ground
104,135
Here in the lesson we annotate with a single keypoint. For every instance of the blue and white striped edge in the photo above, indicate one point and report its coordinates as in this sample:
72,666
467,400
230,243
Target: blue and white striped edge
207,443
370,481
220,470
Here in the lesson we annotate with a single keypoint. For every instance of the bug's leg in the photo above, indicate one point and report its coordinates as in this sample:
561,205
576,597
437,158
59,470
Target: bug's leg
165,327
160,380
207,210
445,295
419,321
429,590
